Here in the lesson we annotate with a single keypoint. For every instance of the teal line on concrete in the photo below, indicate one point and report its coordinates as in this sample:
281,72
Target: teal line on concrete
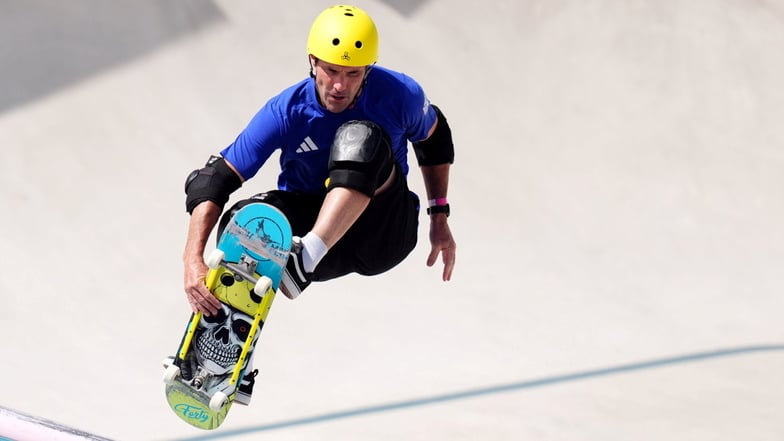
471,393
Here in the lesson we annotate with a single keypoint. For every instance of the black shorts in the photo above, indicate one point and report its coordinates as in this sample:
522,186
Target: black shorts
381,238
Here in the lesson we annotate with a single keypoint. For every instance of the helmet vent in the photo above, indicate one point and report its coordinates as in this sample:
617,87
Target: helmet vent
358,44
335,41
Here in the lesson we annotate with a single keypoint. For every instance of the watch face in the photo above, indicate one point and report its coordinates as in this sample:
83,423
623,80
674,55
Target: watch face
439,209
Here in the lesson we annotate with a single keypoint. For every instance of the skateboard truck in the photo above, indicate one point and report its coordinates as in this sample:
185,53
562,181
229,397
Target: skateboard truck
245,268
250,263
200,379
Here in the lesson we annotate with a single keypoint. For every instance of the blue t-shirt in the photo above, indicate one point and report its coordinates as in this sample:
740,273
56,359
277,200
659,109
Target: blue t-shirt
296,123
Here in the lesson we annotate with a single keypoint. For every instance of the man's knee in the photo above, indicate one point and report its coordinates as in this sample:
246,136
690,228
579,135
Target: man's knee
361,157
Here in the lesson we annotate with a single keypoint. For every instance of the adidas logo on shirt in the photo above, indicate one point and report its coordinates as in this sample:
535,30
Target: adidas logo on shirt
307,146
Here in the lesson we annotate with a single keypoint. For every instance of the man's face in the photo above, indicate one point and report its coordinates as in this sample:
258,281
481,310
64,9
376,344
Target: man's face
336,85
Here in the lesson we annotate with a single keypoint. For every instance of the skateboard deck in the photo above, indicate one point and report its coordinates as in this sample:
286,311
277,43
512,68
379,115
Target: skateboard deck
245,272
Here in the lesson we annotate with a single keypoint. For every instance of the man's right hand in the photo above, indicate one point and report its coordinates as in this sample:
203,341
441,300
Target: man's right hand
200,298
203,219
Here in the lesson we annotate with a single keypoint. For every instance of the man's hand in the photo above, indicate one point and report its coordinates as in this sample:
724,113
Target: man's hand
203,219
200,298
442,242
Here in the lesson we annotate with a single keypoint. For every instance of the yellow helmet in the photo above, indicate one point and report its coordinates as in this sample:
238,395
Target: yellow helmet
344,35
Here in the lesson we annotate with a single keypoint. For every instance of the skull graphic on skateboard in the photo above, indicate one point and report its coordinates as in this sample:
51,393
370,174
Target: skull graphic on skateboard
245,272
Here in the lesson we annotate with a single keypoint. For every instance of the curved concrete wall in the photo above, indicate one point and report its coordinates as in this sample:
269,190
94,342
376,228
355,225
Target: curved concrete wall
617,201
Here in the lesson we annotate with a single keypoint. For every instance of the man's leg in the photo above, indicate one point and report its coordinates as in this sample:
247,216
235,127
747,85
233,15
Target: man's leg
380,239
360,166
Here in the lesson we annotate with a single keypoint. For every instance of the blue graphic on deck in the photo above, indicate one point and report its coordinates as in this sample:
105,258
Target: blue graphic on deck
261,232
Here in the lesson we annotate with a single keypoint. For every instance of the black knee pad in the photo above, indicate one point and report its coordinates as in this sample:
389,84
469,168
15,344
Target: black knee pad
361,157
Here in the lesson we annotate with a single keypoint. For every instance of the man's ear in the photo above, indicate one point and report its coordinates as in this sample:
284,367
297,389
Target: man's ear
312,63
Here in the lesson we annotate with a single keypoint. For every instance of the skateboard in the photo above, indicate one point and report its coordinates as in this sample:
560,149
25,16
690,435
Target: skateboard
245,271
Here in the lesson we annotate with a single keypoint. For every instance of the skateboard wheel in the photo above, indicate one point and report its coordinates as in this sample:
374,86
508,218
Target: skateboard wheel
262,285
215,258
170,374
218,400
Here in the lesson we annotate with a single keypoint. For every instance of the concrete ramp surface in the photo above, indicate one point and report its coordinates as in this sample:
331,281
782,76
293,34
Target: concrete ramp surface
618,202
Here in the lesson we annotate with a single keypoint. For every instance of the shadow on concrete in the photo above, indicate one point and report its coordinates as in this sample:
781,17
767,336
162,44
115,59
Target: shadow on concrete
46,45
406,8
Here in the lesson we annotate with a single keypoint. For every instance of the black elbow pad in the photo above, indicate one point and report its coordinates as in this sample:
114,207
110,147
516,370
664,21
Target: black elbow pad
438,148
215,182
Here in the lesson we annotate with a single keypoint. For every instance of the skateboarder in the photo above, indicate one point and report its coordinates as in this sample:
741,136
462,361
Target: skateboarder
343,138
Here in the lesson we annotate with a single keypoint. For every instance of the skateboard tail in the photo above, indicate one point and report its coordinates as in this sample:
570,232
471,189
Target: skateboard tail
190,408
187,402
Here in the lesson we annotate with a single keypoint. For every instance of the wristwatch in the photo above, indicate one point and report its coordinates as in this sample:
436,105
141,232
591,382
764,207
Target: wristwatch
439,209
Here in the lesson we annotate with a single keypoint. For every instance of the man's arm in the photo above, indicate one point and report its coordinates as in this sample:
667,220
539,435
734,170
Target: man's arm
435,155
207,191
436,178
203,220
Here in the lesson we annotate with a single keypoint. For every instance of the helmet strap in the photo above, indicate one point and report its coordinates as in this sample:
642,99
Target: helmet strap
362,88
